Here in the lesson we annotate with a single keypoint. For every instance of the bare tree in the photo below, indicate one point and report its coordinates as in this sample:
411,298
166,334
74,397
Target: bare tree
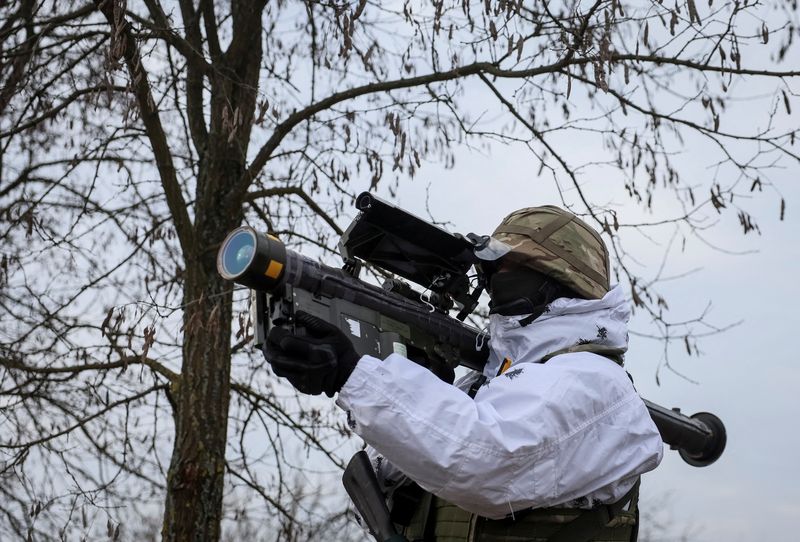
135,135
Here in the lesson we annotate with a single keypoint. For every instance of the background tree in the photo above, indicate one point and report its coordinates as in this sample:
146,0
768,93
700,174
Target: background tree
135,135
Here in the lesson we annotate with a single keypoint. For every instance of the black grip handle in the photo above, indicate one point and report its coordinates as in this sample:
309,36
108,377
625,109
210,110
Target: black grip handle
361,484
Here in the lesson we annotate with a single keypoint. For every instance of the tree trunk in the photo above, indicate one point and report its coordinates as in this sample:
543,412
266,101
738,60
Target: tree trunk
195,481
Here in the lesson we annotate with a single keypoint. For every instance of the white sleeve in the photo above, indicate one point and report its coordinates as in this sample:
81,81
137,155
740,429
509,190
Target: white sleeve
540,435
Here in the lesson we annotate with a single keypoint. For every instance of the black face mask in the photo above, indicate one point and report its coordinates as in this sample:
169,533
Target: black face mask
523,291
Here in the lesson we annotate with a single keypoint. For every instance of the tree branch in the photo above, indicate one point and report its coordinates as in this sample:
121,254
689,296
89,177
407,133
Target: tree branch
152,124
87,419
297,117
297,191
194,79
122,362
192,50
659,60
50,113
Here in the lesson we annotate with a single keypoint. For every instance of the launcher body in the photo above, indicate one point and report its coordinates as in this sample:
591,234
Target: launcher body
379,320
397,318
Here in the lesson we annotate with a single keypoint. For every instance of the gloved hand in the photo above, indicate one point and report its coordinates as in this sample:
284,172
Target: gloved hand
319,357
436,364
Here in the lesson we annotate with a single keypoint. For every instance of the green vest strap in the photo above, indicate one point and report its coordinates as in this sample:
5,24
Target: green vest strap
453,524
610,352
586,525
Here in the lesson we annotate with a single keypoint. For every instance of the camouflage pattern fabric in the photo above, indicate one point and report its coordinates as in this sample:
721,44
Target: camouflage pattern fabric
560,245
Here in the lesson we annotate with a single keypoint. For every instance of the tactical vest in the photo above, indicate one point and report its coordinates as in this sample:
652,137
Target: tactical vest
436,520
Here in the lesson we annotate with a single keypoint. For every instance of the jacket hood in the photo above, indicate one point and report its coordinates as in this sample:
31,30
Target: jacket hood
565,323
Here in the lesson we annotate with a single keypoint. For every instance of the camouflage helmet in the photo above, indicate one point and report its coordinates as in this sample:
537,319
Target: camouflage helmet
558,244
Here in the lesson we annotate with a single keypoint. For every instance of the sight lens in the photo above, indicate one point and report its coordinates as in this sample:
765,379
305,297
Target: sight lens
252,259
238,253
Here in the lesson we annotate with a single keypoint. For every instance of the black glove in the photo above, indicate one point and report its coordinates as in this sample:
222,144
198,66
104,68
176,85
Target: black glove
436,364
318,357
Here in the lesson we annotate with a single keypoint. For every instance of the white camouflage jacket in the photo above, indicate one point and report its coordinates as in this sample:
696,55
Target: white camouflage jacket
539,435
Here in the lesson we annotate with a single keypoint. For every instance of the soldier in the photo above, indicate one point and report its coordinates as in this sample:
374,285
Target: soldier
547,444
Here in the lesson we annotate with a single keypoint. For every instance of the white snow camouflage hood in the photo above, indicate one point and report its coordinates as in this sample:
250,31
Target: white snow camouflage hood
565,323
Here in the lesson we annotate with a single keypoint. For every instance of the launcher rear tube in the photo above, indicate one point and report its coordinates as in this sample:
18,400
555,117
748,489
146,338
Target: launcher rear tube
700,439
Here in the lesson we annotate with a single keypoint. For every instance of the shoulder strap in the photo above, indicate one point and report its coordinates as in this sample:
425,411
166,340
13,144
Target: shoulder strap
610,352
584,527
473,389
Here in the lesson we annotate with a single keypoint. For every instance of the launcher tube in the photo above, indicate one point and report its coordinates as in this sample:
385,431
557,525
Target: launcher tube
263,263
